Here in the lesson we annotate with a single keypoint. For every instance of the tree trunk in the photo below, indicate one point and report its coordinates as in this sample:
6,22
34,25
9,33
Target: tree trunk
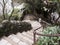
3,10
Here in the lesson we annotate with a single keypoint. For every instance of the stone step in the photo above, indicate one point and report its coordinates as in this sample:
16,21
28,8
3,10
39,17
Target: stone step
17,40
22,43
24,39
3,40
30,33
27,35
14,38
10,41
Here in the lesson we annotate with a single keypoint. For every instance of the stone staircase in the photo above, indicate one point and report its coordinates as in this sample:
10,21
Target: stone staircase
24,38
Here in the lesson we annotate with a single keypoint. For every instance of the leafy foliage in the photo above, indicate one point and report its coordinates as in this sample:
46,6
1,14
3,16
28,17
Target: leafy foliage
12,27
58,4
43,40
16,14
34,5
42,9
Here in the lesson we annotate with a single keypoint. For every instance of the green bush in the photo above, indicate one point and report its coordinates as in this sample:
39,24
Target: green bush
43,40
12,27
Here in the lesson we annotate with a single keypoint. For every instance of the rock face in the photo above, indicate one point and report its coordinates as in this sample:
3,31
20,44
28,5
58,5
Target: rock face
29,17
10,27
54,16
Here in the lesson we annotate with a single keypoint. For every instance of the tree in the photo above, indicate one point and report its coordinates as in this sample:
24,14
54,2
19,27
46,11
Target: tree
34,6
4,9
3,4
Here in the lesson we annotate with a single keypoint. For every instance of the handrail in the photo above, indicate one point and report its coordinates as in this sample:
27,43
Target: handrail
38,28
49,35
34,34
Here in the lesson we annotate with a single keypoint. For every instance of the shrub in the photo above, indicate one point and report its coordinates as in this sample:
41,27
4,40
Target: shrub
43,40
12,27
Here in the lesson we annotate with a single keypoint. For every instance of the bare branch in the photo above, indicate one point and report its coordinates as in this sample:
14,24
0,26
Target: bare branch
4,6
6,11
1,4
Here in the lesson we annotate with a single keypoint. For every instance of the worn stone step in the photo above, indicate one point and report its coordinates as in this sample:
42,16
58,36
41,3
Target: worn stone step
10,41
17,40
14,38
24,39
30,33
27,35
22,43
3,42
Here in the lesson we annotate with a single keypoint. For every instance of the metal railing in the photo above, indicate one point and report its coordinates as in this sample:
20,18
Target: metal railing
48,35
34,34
